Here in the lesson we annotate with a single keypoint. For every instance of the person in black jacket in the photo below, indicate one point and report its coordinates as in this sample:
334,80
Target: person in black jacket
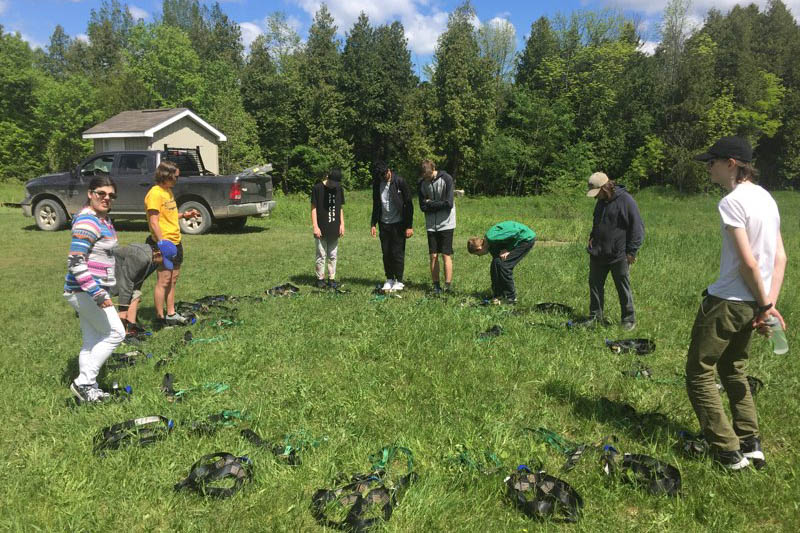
617,234
393,214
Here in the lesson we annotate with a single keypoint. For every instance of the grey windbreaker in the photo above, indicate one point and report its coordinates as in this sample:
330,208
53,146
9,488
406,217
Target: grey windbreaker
436,200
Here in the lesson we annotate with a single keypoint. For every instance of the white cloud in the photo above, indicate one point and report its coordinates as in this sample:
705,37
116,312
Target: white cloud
699,8
82,37
250,30
138,13
423,23
32,41
649,47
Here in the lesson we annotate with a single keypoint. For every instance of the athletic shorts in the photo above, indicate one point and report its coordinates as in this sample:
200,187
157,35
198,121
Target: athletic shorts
177,261
440,242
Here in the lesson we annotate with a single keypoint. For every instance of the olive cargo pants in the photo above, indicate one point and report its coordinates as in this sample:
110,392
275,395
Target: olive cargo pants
720,337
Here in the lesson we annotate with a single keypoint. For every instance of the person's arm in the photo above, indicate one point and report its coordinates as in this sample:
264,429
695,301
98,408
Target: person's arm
448,196
341,222
314,225
751,274
778,271
424,203
408,208
152,222
634,236
376,205
85,233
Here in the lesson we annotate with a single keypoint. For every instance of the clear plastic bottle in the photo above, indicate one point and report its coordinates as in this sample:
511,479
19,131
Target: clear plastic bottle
779,344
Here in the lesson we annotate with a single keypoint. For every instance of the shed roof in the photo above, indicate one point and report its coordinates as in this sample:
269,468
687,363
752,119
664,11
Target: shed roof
145,123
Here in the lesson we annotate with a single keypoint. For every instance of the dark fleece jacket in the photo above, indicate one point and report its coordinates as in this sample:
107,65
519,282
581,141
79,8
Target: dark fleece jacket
617,229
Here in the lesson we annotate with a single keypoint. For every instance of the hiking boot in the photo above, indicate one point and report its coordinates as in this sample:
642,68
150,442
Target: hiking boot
437,289
387,286
321,284
628,326
751,449
332,284
398,286
176,320
730,460
88,393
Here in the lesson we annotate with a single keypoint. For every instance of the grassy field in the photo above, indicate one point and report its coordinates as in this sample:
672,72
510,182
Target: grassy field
362,373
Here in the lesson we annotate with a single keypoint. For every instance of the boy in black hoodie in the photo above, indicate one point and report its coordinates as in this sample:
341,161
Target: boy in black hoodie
393,214
617,234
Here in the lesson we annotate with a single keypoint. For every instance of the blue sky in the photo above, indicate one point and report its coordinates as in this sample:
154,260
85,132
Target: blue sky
423,20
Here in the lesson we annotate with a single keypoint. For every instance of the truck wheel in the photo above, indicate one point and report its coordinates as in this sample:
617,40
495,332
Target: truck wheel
49,215
197,225
232,224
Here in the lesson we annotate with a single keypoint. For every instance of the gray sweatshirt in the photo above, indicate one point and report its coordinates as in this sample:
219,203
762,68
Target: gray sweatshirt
436,200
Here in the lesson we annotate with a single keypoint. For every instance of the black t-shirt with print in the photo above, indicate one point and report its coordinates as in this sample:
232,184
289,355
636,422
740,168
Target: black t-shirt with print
328,201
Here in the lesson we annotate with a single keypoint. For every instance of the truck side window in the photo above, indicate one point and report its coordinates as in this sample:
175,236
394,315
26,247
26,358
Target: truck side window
98,165
135,164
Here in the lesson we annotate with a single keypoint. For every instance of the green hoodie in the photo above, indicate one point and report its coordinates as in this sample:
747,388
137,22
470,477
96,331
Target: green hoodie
507,236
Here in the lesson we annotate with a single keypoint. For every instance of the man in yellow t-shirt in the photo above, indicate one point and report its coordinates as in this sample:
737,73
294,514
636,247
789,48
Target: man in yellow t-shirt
162,218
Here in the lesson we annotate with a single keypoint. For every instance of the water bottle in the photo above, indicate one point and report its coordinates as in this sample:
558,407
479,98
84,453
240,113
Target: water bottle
779,344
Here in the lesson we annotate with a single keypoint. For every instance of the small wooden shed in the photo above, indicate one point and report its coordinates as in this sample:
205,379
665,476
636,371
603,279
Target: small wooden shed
151,129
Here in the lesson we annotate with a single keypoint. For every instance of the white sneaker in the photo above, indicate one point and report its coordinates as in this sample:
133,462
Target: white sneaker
388,285
398,286
88,393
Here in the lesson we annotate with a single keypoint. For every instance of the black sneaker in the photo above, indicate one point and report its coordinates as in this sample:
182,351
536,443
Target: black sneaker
751,449
732,460
321,284
628,326
332,284
437,289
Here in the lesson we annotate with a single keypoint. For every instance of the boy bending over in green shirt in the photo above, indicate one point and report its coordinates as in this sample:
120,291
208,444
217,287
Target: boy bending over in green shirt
508,242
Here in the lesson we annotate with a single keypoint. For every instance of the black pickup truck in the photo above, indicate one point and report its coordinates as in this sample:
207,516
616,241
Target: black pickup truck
224,200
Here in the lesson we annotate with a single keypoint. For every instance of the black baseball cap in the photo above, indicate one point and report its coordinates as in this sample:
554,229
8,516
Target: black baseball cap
335,175
728,148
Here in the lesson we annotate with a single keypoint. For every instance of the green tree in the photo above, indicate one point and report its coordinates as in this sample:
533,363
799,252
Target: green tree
464,87
109,29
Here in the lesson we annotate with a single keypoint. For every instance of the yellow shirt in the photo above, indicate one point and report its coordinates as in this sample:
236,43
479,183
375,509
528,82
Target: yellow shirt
162,200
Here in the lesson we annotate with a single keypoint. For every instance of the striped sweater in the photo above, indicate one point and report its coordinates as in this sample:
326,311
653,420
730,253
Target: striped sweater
90,263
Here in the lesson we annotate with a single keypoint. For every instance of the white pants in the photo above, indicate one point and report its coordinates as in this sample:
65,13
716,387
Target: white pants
326,248
102,333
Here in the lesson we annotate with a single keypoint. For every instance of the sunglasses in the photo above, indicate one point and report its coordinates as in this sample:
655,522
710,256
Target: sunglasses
103,194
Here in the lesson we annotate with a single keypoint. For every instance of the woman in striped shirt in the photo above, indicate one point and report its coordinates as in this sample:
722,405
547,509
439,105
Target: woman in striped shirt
90,275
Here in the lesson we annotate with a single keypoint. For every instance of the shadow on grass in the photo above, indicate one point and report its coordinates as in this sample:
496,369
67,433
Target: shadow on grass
640,425
308,279
71,371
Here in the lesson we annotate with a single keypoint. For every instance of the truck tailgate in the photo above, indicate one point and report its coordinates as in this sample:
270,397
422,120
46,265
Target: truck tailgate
256,188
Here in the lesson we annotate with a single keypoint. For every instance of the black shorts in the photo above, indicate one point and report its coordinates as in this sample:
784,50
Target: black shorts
440,242
177,261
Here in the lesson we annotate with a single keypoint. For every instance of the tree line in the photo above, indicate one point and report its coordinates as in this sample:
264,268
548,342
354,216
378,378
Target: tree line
580,96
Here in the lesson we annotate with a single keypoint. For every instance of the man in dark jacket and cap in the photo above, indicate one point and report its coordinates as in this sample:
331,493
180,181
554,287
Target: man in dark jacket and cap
617,234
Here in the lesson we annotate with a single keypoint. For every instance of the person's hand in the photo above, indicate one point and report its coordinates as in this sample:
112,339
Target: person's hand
341,230
106,303
409,233
760,322
317,233
590,242
631,259
191,213
504,254
372,231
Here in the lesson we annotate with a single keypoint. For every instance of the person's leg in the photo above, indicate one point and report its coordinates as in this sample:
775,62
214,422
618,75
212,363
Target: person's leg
598,272
730,368
620,273
89,337
133,308
386,240
320,260
712,333
505,268
494,274
448,268
170,295
107,334
163,284
332,250
399,251
434,257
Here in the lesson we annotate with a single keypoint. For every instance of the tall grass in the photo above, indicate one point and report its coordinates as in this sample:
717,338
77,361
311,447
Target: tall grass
364,373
